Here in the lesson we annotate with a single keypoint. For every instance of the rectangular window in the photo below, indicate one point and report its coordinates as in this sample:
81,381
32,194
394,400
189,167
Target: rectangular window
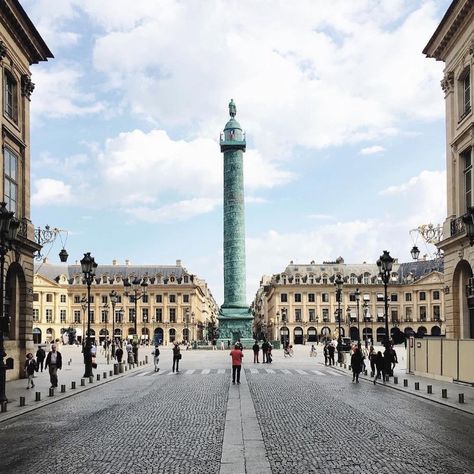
10,180
62,298
312,316
352,297
103,316
172,315
105,299
436,313
119,298
145,315
394,297
77,299
466,93
158,299
466,162
408,314
172,298
49,298
311,297
92,316
436,295
91,299
145,298
394,316
49,315
422,296
408,297
297,297
10,96
77,317
119,316
158,315
422,313
325,297
185,298
284,298
298,315
131,315
325,315
35,297
36,315
62,315
380,297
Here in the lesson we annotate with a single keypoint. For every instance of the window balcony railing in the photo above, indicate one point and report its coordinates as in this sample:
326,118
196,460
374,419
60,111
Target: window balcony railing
458,227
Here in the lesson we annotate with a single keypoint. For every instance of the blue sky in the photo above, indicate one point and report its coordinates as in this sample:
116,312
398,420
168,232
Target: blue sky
344,119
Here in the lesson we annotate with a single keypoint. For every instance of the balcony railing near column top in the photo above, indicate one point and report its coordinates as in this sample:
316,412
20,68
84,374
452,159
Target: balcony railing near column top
458,226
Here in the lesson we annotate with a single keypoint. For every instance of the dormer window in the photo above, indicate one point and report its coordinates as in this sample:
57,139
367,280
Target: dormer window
10,96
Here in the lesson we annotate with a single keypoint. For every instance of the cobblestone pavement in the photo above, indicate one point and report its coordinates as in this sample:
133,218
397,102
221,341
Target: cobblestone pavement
313,420
331,425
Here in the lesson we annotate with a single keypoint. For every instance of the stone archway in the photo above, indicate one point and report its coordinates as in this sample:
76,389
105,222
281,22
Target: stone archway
463,310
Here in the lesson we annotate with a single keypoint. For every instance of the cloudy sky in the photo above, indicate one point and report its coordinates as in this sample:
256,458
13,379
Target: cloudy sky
344,119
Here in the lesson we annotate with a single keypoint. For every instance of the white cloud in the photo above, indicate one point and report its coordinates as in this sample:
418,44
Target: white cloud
58,93
372,150
50,192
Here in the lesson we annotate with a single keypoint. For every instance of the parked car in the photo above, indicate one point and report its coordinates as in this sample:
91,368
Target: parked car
346,344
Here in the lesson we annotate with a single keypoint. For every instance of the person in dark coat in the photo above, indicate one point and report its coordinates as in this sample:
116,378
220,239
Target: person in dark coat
331,351
356,364
387,361
264,351
372,357
256,351
54,361
40,356
379,366
119,354
176,356
326,354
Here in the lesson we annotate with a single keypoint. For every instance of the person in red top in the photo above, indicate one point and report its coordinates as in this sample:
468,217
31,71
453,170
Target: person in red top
236,355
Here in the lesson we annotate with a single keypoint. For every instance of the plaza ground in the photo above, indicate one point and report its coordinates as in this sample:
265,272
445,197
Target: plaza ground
293,416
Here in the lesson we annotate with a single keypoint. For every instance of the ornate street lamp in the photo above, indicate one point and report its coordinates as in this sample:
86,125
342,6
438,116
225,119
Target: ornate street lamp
339,284
136,291
357,297
8,231
186,324
365,310
89,268
84,308
415,252
113,299
385,263
105,309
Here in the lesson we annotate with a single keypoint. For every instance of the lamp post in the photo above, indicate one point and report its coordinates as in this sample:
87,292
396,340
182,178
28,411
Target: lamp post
186,324
192,325
88,267
357,297
284,321
113,299
105,309
339,283
84,308
385,263
365,309
8,231
135,290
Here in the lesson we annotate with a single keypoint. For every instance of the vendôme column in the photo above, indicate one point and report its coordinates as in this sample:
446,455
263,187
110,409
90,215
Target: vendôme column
235,319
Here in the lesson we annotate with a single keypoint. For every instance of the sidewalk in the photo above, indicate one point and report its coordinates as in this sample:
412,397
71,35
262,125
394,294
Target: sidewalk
72,371
453,389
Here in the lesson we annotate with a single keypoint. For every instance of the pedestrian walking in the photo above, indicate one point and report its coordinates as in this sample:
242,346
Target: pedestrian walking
40,356
237,356
119,354
54,362
176,357
312,352
156,357
331,352
214,345
356,364
269,353
387,361
326,354
372,358
30,367
379,366
256,351
264,351
222,346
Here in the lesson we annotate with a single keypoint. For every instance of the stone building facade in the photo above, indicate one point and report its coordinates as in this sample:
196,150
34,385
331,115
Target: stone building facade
299,304
20,46
176,305
453,43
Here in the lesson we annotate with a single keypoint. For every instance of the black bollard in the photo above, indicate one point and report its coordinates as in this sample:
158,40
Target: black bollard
63,388
37,396
429,389
444,393
73,385
22,401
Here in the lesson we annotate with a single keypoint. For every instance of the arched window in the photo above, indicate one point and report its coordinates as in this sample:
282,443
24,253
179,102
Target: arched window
366,278
353,279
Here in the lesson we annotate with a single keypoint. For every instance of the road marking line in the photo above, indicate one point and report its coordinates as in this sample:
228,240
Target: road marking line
286,371
221,371
317,372
270,371
205,371
190,371
302,372
254,371
143,374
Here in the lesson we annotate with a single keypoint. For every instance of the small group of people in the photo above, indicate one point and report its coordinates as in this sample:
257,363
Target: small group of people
382,365
266,352
54,362
329,352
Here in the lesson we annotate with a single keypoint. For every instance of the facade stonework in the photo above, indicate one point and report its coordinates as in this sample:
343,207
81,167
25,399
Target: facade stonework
453,43
176,306
20,46
299,305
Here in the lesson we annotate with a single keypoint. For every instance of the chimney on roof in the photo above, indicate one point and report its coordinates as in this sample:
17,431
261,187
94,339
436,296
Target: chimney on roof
178,263
114,262
127,262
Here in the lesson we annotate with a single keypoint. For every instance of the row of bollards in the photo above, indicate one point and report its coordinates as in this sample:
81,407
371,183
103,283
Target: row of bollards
118,369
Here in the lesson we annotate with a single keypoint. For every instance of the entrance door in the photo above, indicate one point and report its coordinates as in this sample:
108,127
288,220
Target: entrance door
298,336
